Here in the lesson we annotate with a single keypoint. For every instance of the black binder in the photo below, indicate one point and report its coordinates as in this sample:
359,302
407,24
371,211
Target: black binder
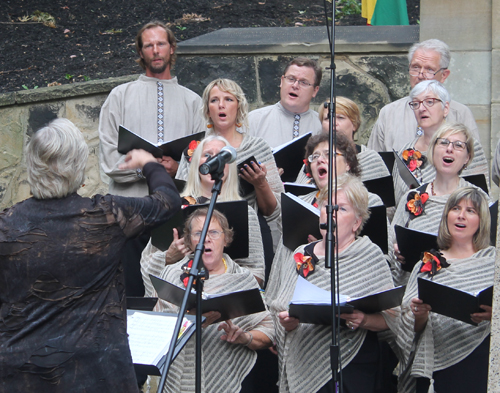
452,302
289,156
128,140
230,305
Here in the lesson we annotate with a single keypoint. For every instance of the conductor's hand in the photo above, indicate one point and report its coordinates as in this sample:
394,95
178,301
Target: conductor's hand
288,322
479,317
233,334
136,159
177,249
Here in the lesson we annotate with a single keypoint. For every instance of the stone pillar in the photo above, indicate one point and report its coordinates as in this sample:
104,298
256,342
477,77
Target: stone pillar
466,26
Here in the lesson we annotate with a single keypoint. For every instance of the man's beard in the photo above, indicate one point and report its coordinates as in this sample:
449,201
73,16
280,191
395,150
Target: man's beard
158,69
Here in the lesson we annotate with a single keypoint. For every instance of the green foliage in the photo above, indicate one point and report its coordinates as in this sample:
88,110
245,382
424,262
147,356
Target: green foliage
181,28
27,88
347,7
69,76
86,78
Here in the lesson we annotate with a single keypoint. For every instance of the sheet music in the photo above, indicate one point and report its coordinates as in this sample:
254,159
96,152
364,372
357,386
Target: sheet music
307,293
149,336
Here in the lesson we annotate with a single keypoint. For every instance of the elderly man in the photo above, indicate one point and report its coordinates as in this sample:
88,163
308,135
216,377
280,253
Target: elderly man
396,124
157,108
291,116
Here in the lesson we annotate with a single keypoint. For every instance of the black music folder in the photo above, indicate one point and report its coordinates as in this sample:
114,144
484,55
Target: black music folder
478,180
388,157
412,244
452,302
299,220
379,301
141,303
383,187
290,155
129,140
236,213
246,188
376,227
230,305
299,189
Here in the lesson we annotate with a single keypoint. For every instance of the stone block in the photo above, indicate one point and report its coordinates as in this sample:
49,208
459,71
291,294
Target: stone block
495,75
392,71
470,78
12,136
482,115
197,72
84,113
462,24
269,71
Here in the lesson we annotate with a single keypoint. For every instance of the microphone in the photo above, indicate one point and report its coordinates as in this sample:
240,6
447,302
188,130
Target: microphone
227,155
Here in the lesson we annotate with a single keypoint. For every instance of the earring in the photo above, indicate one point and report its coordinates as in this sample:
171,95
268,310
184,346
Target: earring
238,125
210,125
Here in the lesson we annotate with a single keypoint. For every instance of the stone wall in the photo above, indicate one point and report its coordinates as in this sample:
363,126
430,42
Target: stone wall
371,69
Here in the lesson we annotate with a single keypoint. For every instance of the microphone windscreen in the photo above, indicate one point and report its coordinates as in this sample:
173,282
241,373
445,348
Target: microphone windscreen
232,151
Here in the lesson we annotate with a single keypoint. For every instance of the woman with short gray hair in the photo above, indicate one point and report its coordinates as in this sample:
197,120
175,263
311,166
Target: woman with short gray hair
430,102
62,299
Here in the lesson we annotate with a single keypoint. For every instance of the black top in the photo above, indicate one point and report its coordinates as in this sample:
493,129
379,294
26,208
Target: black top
62,299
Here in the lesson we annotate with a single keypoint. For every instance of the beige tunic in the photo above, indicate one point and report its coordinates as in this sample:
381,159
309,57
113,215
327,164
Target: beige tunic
274,124
135,106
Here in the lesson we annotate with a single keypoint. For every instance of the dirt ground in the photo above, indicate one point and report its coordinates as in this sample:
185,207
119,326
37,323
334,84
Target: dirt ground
94,39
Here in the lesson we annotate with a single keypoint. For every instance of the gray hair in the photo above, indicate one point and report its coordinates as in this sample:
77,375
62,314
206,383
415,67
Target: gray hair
433,86
216,216
432,45
56,158
355,192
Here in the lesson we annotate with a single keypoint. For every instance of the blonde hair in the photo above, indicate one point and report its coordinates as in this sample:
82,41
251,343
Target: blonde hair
56,158
231,87
346,107
355,192
452,129
230,187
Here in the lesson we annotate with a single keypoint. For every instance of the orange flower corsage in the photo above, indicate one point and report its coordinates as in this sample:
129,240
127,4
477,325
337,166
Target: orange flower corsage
413,159
415,204
432,262
191,148
304,264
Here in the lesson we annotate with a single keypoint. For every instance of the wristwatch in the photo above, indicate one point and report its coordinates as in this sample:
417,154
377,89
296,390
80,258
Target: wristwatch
139,173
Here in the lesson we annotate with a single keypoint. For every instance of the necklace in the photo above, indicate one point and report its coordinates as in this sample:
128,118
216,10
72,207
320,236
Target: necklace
432,189
225,265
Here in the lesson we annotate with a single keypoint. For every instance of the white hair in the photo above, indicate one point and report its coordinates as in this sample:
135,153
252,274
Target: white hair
433,86
432,45
56,158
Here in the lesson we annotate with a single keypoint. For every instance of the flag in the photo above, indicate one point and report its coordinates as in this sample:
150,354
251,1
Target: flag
389,13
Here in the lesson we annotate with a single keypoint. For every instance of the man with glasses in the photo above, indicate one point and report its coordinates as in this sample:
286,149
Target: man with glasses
396,123
291,116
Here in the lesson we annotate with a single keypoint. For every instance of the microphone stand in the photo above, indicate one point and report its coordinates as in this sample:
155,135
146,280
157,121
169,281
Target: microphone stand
197,272
331,247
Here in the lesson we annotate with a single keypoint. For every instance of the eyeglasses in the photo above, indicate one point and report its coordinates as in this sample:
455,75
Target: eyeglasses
427,74
428,102
325,154
457,145
291,80
212,234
